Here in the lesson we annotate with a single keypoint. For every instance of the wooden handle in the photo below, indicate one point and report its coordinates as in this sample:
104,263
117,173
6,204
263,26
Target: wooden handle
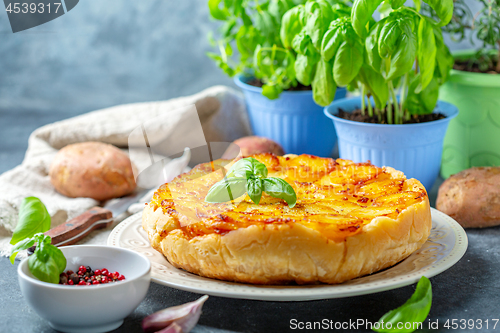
77,228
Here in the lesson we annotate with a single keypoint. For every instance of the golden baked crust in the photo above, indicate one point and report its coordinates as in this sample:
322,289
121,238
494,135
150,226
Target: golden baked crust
350,220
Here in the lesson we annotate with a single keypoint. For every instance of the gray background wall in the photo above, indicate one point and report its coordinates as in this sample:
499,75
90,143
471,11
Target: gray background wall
101,53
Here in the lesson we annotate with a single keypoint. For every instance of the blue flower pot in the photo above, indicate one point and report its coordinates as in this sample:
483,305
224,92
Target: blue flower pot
414,149
293,120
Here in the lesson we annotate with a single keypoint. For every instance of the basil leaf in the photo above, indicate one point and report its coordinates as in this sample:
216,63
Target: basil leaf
395,4
315,28
443,9
277,8
291,25
279,188
371,45
444,59
426,53
300,42
304,69
415,310
33,218
320,15
425,101
403,59
22,245
215,11
271,91
246,168
376,84
47,262
331,42
347,62
254,189
361,14
227,189
265,23
389,37
323,84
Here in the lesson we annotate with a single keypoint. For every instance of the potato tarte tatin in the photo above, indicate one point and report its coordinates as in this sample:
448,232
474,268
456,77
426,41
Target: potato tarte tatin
350,219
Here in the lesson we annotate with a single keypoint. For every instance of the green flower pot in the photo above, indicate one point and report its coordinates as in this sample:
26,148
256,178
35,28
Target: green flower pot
473,138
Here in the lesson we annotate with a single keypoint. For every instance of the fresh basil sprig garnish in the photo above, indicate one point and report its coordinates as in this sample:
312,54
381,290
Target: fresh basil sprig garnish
47,262
33,218
250,176
415,310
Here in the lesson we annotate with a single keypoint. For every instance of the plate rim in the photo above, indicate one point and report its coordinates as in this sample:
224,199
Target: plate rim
455,254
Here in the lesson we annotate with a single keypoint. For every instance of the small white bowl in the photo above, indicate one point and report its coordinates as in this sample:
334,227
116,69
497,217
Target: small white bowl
95,308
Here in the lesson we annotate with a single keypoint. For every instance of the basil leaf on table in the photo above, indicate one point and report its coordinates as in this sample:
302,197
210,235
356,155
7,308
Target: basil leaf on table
254,189
415,310
324,86
33,218
21,245
279,188
47,262
426,53
227,189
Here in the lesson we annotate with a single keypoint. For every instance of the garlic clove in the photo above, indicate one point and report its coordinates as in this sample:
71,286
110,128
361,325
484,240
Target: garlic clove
174,328
185,315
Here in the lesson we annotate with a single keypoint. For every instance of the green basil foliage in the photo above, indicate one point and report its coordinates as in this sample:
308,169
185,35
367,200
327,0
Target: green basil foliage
328,44
248,175
264,34
404,55
255,29
481,25
47,262
33,218
415,310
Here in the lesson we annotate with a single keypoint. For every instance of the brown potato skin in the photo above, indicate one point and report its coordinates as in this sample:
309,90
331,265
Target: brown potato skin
472,197
253,145
93,170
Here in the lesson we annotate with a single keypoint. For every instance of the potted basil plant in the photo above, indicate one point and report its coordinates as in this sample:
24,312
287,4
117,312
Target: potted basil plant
270,72
474,86
398,63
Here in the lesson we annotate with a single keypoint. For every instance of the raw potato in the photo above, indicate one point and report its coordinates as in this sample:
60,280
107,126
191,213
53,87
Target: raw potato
472,197
252,145
93,170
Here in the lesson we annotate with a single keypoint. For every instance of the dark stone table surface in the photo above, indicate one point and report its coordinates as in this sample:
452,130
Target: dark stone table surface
468,290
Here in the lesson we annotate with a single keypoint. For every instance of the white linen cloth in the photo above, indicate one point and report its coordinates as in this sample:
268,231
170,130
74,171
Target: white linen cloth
221,112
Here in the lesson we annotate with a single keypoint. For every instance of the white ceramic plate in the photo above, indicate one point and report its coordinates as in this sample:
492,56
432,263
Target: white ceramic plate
447,243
